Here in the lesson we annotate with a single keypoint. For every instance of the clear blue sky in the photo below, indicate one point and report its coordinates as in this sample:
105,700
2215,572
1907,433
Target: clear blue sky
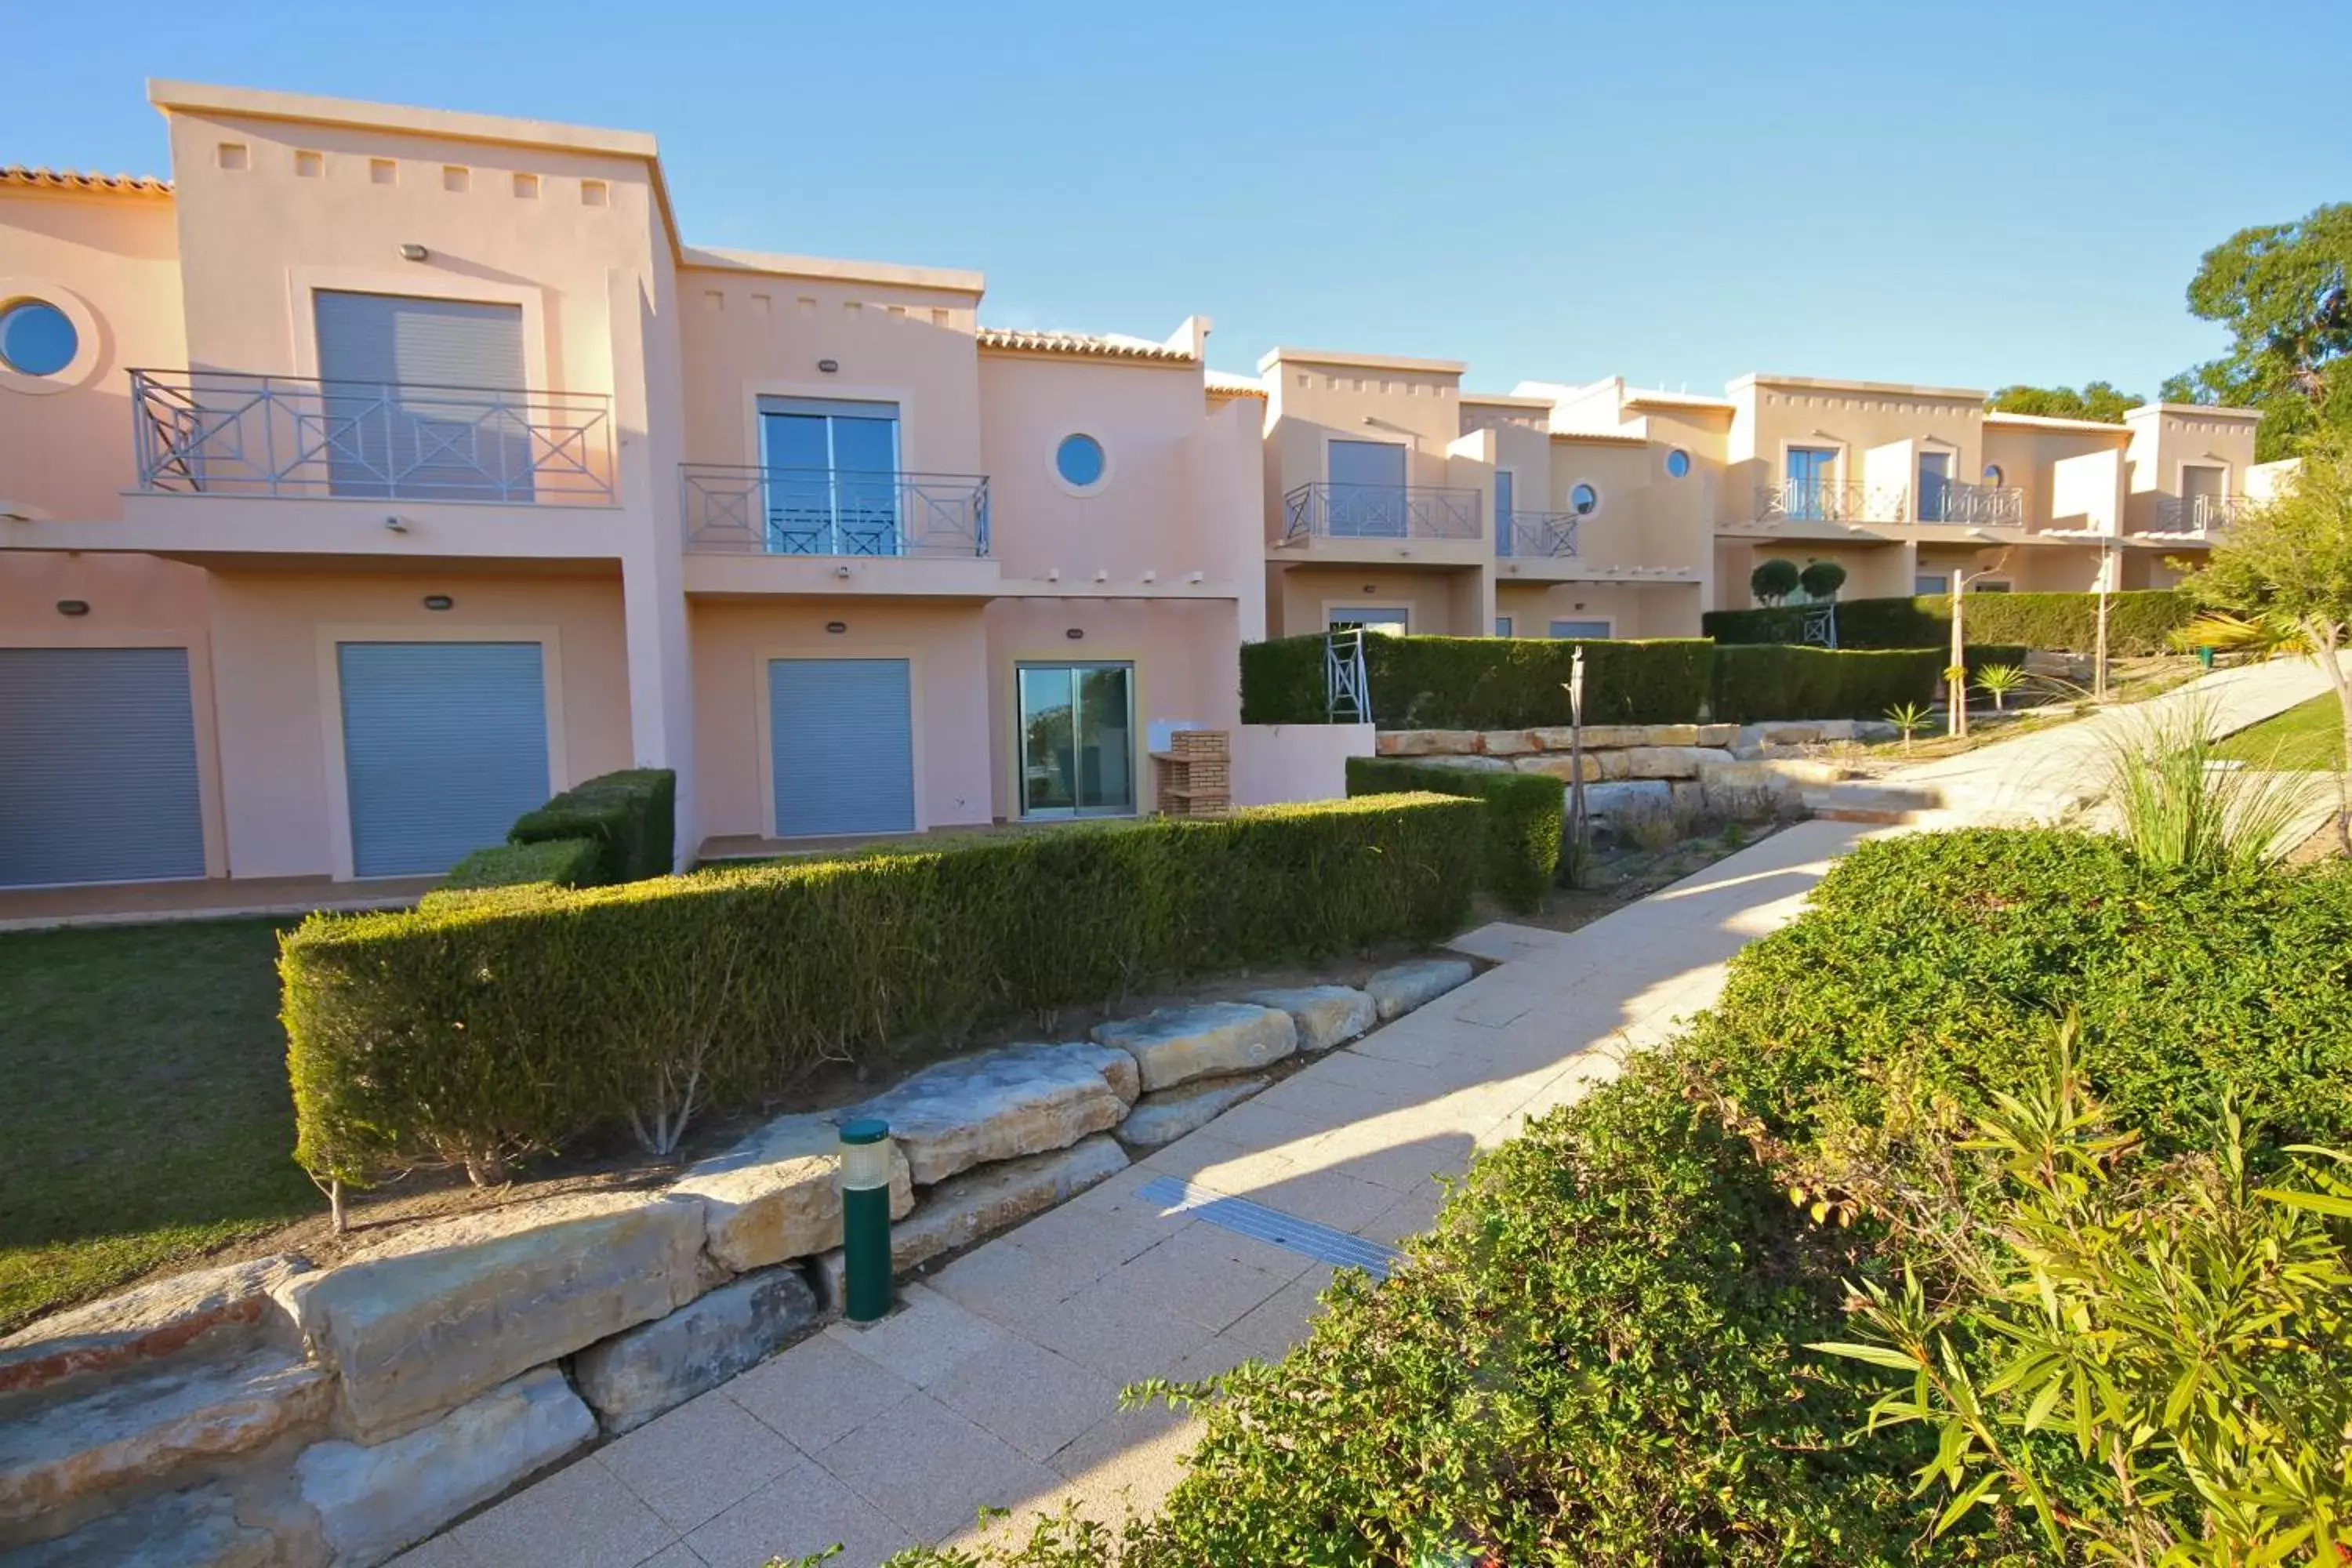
1677,193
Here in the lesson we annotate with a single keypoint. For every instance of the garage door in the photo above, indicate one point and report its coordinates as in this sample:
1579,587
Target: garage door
445,744
98,766
843,734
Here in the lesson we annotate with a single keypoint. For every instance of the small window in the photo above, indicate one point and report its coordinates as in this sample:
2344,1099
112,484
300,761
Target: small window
456,177
1581,630
1678,463
1993,474
1080,462
383,172
1931,583
1583,500
1980,587
36,337
1503,626
527,186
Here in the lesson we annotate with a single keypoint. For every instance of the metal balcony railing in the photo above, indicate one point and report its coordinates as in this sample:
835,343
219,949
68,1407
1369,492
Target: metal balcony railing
1536,533
204,432
1327,510
1972,506
1823,502
832,511
2198,514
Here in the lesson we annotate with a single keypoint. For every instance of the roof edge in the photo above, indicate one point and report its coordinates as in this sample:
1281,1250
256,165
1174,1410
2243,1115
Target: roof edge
1275,356
949,280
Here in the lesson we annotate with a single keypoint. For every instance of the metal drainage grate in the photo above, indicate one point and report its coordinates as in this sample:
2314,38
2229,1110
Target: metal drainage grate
1260,1223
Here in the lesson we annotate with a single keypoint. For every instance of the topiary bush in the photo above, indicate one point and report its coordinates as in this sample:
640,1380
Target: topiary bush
1483,683
498,1023
2139,622
1774,580
1525,815
632,814
552,862
1757,682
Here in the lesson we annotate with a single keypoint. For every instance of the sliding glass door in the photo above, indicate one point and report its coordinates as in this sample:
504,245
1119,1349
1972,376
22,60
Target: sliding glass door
1077,739
832,476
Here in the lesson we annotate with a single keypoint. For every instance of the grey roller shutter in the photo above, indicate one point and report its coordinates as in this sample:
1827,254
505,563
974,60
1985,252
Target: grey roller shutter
445,744
424,397
98,766
842,735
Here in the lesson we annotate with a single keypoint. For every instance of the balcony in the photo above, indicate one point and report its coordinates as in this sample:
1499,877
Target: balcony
1325,510
1538,535
1819,500
2198,516
1973,506
226,434
802,531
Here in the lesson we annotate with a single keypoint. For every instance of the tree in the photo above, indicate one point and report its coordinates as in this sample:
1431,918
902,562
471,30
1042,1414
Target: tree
2288,564
2284,291
1821,579
1774,581
2099,400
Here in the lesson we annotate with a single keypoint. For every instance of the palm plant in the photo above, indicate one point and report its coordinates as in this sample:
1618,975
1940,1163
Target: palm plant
1909,719
1997,682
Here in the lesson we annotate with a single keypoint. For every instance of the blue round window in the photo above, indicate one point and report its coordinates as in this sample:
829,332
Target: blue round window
1679,462
1583,500
36,337
1079,461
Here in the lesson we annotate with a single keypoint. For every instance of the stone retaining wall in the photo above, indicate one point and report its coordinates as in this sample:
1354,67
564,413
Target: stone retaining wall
272,1415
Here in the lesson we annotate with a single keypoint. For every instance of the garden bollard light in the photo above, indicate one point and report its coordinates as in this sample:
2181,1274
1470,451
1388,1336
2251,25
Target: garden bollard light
865,1219
2205,656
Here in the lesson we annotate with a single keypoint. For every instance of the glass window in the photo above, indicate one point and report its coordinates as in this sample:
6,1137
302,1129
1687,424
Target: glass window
1390,620
1077,739
1678,463
1502,485
1079,461
1993,474
1582,630
1503,626
831,477
1583,500
36,337
1932,582
1935,486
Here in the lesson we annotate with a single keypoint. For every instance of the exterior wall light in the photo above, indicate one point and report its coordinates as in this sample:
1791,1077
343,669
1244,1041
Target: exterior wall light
414,253
73,606
1076,634
438,602
836,628
865,1160
827,366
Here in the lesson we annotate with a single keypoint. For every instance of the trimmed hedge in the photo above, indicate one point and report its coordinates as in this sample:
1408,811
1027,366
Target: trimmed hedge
1757,682
2138,622
555,862
632,814
1483,683
1524,817
494,1024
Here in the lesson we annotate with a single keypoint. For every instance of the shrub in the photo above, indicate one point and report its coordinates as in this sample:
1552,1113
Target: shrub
1774,580
632,814
2139,622
1524,817
1757,682
2180,805
555,862
1483,683
1821,579
500,1024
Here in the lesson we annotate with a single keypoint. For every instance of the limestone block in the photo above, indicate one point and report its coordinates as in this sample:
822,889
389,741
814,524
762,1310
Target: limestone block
1610,801
192,1529
1398,990
1671,762
1324,1015
1159,1119
149,1427
1716,735
776,1194
375,1500
1614,764
1480,764
1000,1105
1177,1044
1426,742
1615,737
1868,730
1841,729
967,1208
219,1306
446,1312
1669,735
1509,742
637,1374
1563,765
1556,738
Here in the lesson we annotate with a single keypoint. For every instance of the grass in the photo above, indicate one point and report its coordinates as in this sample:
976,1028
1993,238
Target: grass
147,1117
2308,736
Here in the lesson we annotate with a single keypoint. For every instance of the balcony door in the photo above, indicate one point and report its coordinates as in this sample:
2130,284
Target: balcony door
832,476
2200,494
1935,490
1502,512
1368,499
1812,473
421,399
1077,739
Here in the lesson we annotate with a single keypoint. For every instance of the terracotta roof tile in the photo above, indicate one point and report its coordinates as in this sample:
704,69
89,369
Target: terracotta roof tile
1087,345
74,180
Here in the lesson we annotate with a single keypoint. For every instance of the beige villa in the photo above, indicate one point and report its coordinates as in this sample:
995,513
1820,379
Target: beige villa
386,470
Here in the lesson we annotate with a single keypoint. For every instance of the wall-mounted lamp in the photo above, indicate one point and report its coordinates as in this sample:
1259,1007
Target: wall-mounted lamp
395,524
836,628
1076,634
439,601
414,253
1370,589
73,606
841,571
828,366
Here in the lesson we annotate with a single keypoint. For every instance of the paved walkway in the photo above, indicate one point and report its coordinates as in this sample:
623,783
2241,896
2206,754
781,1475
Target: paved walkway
998,1383
200,898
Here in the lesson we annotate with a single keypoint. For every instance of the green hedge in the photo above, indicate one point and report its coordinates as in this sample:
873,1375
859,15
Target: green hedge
1757,682
632,814
495,1025
1524,817
1483,683
557,862
2138,622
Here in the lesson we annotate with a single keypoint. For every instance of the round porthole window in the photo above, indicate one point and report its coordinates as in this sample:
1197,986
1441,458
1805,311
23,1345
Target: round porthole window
1079,461
1584,500
36,337
1678,463
1993,474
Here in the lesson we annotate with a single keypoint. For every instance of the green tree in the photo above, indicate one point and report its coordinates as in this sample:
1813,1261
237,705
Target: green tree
1821,579
2287,566
2099,400
1773,581
2284,291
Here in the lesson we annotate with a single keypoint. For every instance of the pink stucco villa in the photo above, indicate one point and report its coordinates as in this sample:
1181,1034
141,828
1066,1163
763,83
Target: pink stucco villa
389,468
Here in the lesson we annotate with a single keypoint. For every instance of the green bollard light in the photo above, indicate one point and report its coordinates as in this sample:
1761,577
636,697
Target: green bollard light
865,1219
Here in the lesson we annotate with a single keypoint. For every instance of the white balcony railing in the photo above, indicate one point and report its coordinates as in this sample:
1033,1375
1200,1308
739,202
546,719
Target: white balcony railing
1537,534
1820,501
2198,514
204,432
1972,506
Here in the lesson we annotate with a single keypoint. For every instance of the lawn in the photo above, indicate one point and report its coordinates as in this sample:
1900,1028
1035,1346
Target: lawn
146,1117
2309,735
